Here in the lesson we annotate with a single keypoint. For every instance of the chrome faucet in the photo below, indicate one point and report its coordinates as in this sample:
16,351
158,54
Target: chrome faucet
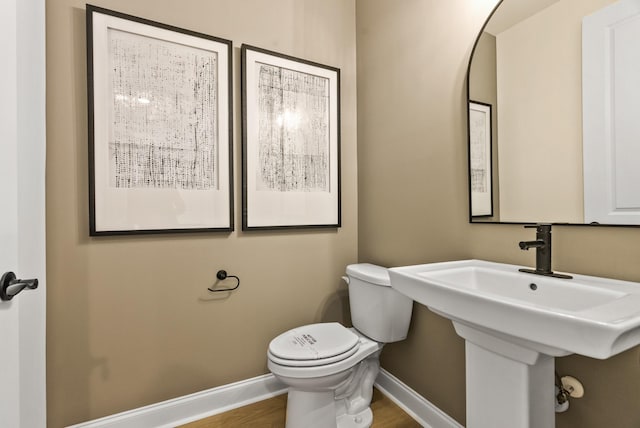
542,244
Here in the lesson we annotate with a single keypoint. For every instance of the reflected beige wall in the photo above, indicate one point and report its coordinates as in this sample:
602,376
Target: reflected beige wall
130,322
412,61
539,65
483,88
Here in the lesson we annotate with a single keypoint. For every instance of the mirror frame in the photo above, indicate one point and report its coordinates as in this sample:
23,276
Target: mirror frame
468,100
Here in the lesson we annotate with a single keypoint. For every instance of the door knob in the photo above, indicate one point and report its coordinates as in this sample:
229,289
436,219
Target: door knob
10,286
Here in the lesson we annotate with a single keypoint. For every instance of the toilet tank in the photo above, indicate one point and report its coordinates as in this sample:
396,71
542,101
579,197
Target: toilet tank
377,310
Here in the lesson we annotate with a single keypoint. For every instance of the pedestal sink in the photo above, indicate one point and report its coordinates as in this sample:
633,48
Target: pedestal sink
515,323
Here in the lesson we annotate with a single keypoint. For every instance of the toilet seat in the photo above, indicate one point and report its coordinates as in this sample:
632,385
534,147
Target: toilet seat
312,363
348,360
313,345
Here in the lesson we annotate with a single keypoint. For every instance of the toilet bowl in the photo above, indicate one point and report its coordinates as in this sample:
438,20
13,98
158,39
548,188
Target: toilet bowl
330,369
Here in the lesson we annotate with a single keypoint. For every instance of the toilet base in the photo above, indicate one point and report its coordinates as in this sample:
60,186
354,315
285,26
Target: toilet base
310,409
363,419
317,410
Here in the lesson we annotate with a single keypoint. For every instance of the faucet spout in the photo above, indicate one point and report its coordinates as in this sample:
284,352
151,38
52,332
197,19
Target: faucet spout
525,245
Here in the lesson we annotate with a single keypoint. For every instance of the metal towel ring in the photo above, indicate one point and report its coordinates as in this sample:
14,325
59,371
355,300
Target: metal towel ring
222,275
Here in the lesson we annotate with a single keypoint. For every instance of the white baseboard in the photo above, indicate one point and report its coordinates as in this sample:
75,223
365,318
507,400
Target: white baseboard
414,404
189,408
199,405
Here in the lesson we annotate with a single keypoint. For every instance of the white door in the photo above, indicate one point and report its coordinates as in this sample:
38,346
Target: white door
22,211
611,109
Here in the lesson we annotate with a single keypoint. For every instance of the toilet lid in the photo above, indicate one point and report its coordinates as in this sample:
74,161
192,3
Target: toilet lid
314,342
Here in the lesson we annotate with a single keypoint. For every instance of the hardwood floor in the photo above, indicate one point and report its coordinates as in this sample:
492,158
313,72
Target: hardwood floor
271,414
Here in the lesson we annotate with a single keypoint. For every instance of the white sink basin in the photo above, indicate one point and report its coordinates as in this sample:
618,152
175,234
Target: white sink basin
586,315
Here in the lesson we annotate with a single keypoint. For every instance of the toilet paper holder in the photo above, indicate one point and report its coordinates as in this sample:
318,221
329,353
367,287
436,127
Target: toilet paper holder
221,275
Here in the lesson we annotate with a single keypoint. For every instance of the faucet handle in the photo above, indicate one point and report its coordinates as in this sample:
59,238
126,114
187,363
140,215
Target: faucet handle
540,227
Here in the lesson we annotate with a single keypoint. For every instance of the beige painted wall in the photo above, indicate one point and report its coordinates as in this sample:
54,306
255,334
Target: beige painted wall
412,180
129,319
412,59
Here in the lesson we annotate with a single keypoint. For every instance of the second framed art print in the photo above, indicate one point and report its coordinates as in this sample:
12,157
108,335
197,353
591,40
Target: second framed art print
480,154
160,134
291,142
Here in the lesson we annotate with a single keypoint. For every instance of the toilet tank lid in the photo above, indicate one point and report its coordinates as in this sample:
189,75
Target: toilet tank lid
370,273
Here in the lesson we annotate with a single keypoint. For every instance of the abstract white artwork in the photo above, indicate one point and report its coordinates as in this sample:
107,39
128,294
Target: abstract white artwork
159,125
164,118
291,141
293,135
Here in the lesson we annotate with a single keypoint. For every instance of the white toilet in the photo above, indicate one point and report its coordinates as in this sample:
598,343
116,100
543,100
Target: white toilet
330,369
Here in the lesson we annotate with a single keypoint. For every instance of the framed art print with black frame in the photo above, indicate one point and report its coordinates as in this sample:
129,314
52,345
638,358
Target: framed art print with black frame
160,127
480,159
291,142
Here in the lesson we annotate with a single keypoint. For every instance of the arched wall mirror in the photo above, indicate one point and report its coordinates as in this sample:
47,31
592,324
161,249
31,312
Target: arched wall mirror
554,113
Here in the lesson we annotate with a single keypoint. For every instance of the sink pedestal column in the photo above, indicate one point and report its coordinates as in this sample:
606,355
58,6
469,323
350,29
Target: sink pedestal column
507,385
